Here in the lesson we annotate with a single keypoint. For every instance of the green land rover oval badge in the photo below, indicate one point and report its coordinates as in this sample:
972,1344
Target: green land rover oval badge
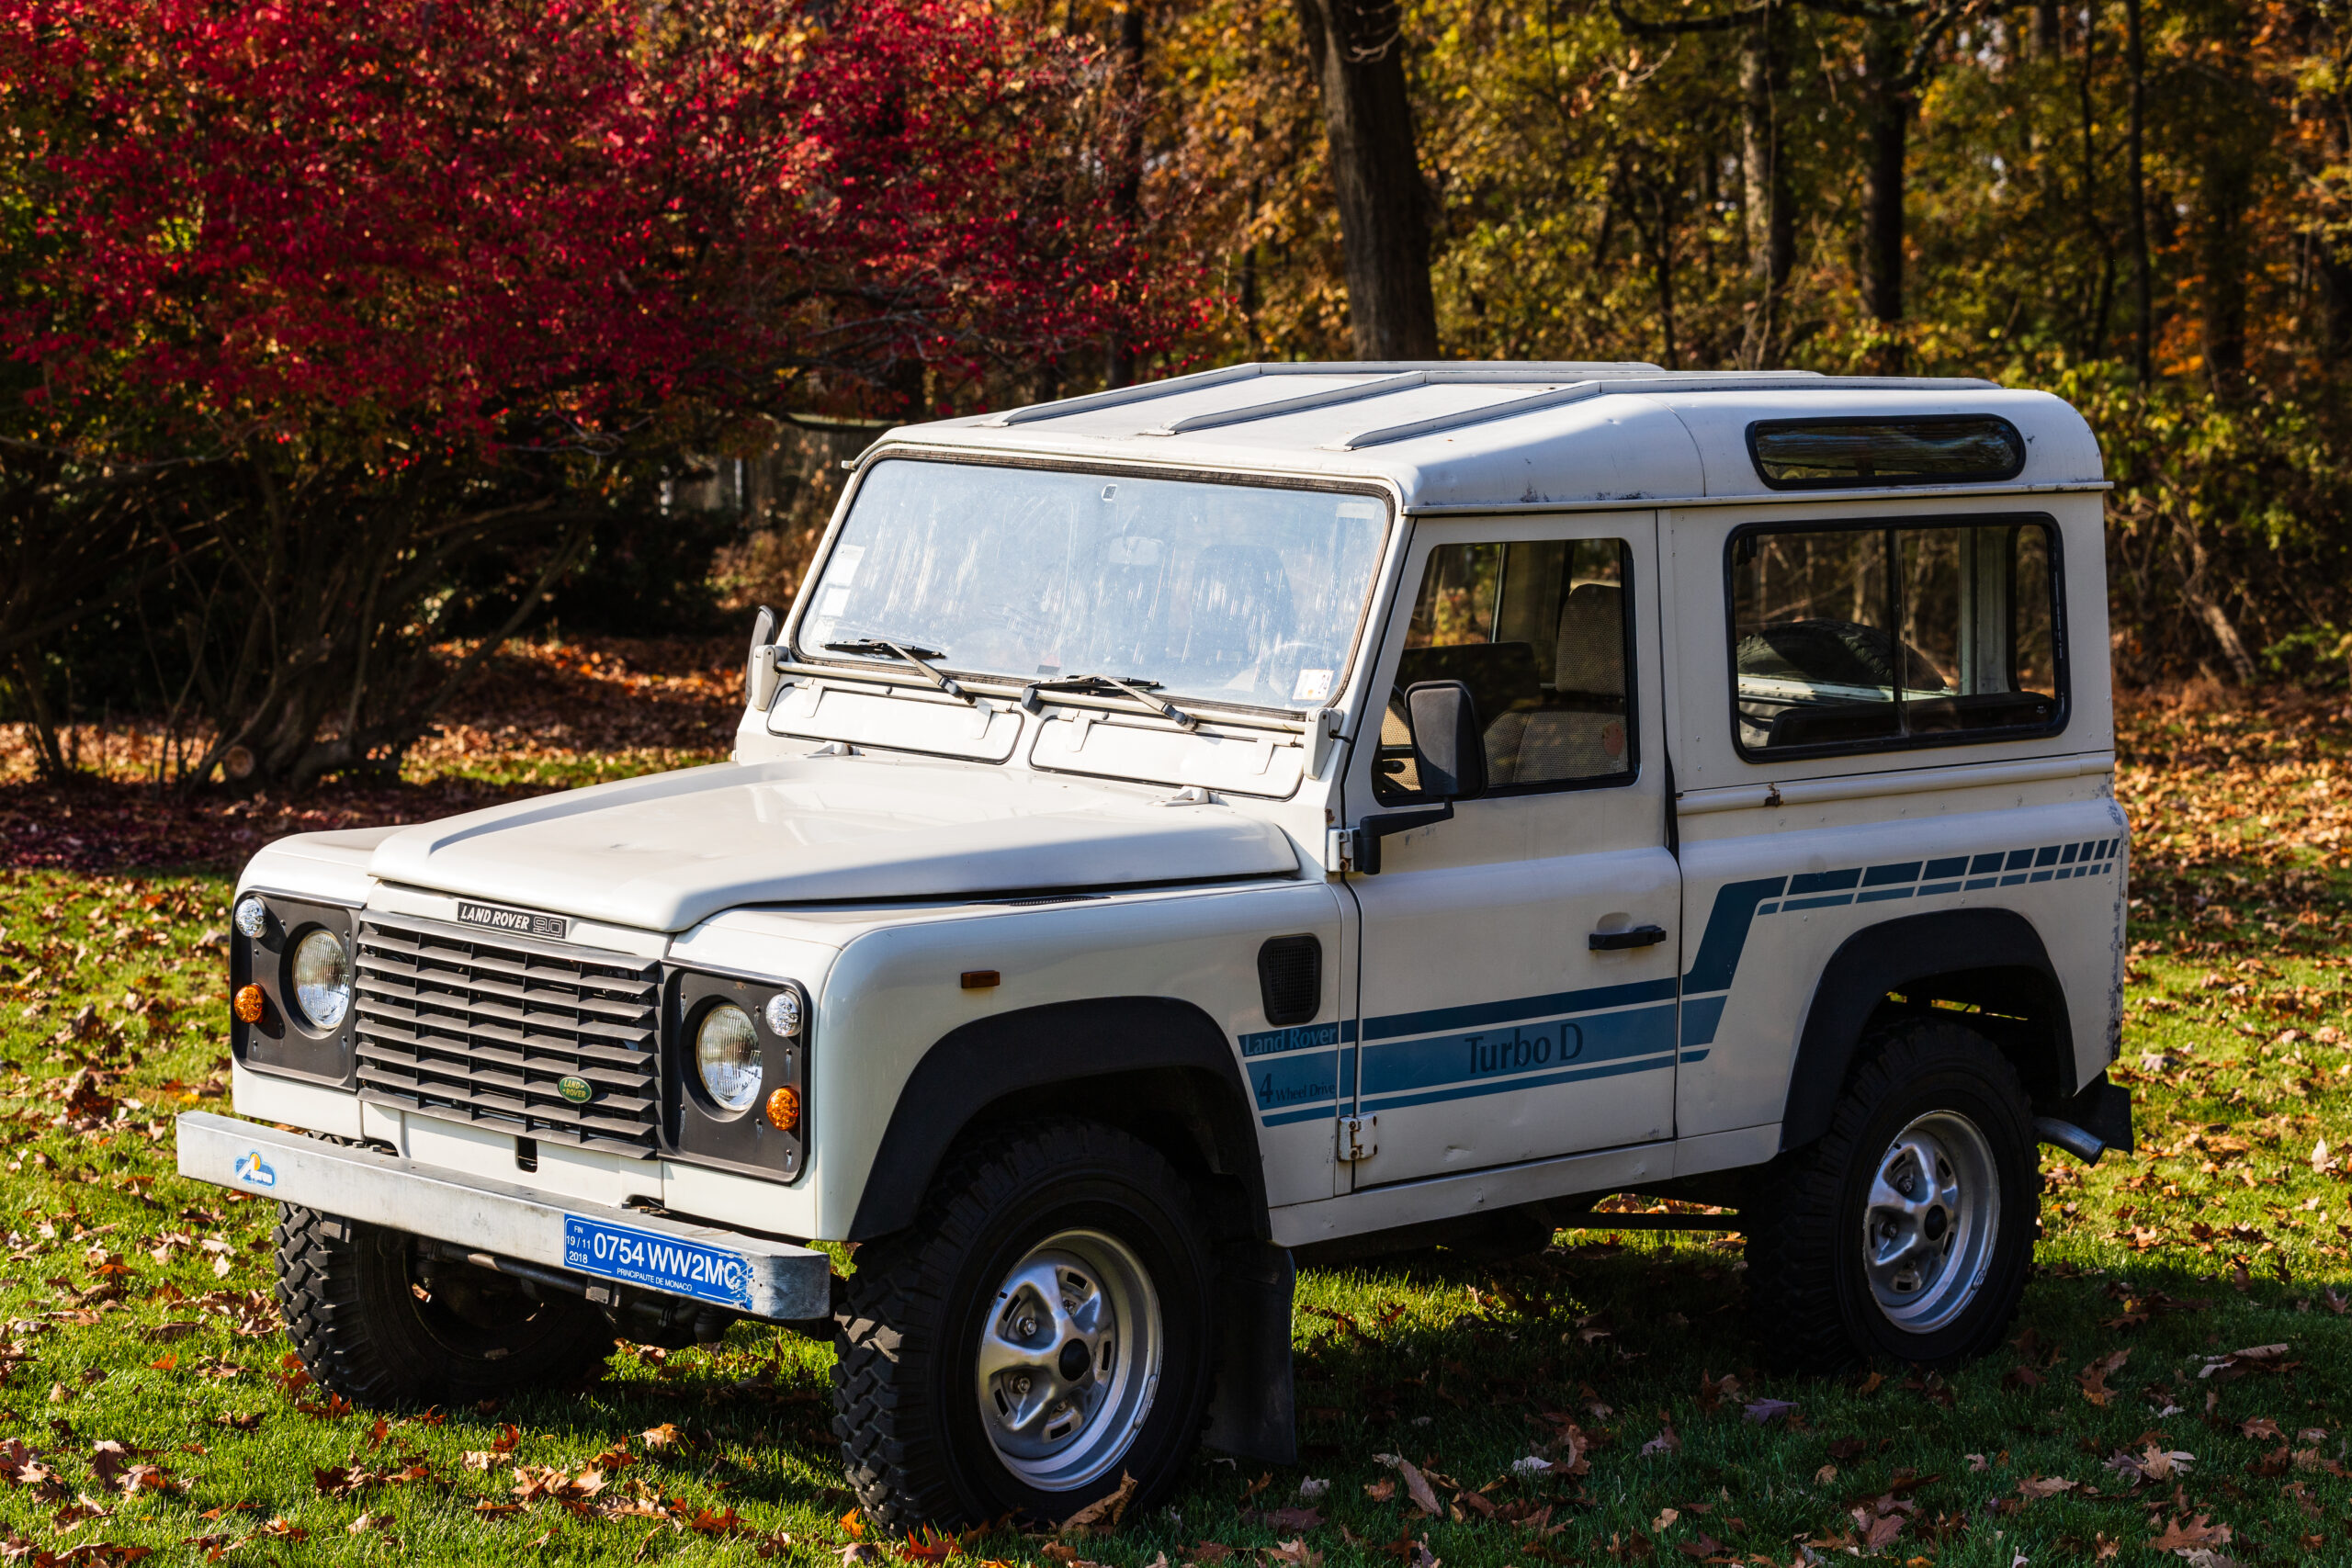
575,1089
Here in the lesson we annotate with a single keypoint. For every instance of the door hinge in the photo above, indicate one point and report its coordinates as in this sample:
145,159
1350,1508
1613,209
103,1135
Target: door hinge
1359,1138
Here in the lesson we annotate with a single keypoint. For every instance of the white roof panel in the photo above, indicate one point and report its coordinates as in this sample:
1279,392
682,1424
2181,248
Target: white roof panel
1480,433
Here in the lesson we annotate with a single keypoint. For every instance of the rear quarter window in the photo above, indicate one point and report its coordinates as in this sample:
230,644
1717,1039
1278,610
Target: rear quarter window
1894,635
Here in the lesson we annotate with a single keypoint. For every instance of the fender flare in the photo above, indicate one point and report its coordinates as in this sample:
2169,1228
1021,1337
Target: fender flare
1900,956
1060,1046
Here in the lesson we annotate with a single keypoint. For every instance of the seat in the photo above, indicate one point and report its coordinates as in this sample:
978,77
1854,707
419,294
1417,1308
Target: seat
1578,732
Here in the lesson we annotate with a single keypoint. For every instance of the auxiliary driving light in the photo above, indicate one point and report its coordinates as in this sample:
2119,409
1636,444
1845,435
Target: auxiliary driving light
783,1109
252,917
249,1004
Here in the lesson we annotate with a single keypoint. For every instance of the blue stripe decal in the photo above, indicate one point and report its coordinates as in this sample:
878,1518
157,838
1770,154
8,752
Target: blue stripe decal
1726,932
1284,1083
1473,1090
1508,1056
1700,1017
1597,997
1304,1073
1302,1037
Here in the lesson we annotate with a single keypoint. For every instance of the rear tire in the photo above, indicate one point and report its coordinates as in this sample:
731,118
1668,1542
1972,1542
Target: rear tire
366,1329
1907,1229
1040,1332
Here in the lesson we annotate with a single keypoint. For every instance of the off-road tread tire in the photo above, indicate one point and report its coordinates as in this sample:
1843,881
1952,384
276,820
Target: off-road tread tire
894,1451
322,1297
1800,1317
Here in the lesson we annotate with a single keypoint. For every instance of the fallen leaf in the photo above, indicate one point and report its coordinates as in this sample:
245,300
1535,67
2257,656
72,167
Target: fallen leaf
2185,1535
2093,1378
1106,1509
1417,1486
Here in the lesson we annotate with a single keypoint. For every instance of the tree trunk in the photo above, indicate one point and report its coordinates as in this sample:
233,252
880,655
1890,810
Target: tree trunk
2221,255
1662,198
1126,197
2142,281
1770,225
1358,50
2047,41
1887,119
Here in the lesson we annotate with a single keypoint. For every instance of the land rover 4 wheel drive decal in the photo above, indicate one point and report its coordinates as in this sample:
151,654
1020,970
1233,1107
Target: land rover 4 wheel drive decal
1459,1053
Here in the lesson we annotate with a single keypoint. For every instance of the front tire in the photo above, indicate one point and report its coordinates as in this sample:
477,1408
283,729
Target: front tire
370,1325
1907,1230
1040,1334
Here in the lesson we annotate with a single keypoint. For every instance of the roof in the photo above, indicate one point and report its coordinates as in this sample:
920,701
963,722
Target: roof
1484,433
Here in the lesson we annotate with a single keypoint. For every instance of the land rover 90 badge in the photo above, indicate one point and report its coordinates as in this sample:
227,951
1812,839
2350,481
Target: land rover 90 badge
575,1089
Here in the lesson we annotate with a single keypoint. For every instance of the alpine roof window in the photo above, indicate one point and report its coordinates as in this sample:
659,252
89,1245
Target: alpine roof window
1842,454
1891,636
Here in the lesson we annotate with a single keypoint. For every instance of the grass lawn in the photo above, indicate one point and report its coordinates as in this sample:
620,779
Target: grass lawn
148,1404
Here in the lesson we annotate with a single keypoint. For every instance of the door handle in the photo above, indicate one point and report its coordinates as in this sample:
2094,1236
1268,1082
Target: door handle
1617,942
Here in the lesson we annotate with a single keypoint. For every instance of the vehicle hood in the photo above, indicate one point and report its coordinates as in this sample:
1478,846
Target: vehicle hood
666,851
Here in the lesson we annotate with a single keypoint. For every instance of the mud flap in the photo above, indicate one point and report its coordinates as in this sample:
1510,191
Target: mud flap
1251,1412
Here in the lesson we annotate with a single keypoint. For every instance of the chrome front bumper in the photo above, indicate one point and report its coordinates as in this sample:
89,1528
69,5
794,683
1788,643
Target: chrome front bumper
746,1274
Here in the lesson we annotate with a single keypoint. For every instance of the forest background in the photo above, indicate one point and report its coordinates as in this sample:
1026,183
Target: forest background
347,343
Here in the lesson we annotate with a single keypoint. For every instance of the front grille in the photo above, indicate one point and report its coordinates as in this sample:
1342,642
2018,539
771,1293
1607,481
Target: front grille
475,1028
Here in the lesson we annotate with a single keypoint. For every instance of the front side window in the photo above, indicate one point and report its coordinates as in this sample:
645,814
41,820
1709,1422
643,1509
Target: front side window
1540,632
1243,593
1894,636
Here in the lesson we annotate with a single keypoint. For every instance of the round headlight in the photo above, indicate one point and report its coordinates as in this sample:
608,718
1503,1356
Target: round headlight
322,979
252,918
726,1053
784,1012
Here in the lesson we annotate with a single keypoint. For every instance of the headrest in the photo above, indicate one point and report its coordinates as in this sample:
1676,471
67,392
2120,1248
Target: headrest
1590,656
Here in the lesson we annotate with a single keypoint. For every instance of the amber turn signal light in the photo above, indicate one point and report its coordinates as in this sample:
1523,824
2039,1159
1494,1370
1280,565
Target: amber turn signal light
249,1004
783,1109
981,979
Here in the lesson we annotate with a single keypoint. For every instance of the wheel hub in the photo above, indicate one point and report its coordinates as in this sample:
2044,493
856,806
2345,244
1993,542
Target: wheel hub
1068,1358
1930,1219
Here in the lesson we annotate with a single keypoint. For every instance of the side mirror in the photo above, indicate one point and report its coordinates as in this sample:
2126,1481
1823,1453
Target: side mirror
1447,741
760,676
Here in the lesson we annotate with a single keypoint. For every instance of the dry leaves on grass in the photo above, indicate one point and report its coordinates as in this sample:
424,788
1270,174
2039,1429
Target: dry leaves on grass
1417,1486
2093,1378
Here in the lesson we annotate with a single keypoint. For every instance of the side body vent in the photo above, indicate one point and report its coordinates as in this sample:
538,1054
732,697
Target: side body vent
1290,978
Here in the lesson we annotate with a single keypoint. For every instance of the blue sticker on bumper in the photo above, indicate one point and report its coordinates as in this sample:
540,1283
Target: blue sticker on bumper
657,1263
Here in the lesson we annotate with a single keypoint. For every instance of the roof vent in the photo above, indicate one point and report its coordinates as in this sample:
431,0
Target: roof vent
1290,979
1856,454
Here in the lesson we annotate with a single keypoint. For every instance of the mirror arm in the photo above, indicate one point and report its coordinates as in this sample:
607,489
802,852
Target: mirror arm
1365,857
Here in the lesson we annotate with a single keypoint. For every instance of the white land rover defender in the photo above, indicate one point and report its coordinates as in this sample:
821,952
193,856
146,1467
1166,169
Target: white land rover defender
1295,811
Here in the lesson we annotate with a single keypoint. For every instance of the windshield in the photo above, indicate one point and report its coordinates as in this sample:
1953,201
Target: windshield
1233,593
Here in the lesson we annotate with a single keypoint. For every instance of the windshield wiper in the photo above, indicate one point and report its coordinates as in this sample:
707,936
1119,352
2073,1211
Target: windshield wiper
1139,690
874,648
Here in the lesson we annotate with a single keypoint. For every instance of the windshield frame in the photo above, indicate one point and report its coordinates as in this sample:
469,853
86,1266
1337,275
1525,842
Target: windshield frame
951,456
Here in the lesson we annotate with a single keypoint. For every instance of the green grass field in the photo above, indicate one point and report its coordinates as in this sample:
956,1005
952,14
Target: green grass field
148,1405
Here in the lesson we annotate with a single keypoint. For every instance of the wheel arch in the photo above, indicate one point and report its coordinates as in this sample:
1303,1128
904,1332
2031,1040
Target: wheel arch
1157,1068
1989,964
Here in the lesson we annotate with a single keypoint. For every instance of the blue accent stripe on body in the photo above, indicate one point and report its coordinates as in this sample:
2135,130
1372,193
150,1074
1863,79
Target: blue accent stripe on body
1523,1008
1506,1086
1464,1051
1515,1052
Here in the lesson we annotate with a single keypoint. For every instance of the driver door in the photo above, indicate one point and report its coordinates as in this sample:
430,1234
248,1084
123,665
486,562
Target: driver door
1518,962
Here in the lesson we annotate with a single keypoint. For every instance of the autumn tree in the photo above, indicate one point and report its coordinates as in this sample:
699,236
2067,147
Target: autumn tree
409,281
